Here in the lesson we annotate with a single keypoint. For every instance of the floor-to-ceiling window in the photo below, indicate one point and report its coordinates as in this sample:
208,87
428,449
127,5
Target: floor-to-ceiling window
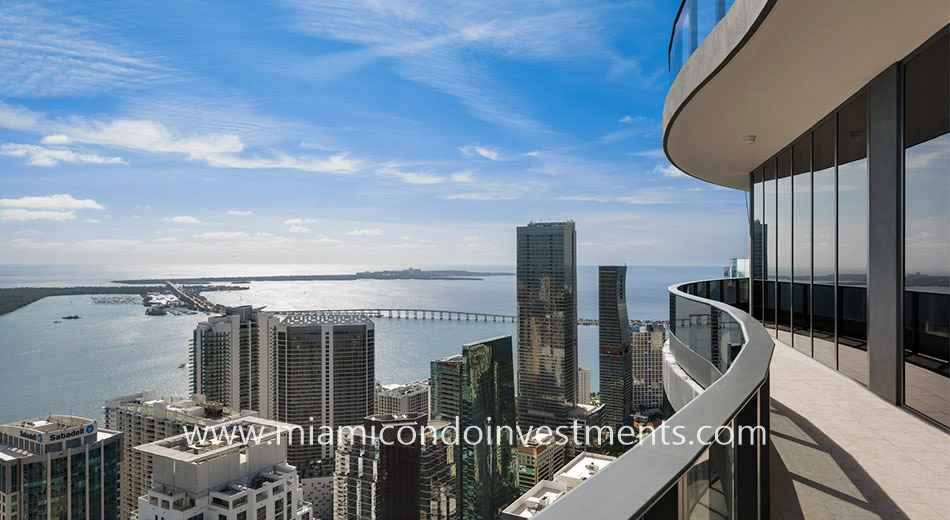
801,240
852,303
927,231
770,251
758,243
783,245
824,242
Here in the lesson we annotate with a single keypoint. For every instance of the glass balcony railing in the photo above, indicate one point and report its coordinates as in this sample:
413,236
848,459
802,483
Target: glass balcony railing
710,459
694,22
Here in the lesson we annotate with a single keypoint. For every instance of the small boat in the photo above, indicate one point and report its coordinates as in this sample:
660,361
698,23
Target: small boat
181,365
57,321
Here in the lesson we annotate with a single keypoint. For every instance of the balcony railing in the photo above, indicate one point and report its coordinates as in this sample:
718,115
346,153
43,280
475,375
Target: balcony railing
694,21
696,475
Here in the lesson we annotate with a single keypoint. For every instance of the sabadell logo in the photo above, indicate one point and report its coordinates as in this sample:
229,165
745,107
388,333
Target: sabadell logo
39,438
90,428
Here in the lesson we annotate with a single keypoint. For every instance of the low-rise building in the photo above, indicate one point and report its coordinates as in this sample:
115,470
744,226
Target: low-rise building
546,492
403,399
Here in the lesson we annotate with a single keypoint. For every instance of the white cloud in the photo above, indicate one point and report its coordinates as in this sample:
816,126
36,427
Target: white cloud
647,196
182,219
299,221
668,170
534,153
584,198
365,232
91,220
61,201
223,235
239,213
464,176
625,119
26,215
656,153
480,196
42,156
473,149
29,232
637,126
423,177
298,229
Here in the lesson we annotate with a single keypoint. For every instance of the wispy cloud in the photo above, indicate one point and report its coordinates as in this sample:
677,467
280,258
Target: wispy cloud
636,126
668,170
298,229
27,215
43,156
60,201
365,232
291,221
655,153
480,196
47,53
239,213
223,235
473,150
182,219
464,176
410,177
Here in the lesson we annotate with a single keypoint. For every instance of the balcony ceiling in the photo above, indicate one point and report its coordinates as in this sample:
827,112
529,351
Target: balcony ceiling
800,59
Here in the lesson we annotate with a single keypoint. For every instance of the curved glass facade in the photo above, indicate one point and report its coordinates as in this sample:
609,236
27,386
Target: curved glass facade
814,230
694,22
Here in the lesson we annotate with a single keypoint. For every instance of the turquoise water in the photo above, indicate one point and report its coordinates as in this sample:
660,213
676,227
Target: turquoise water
114,350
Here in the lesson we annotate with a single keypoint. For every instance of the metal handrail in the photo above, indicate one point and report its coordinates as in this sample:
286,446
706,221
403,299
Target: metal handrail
629,486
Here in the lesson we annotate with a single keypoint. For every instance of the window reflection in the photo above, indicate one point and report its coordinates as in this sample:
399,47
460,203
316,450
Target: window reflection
823,298
853,240
801,253
927,233
769,247
758,242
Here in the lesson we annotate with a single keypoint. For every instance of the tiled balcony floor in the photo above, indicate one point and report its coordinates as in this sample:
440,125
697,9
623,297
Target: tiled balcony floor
839,451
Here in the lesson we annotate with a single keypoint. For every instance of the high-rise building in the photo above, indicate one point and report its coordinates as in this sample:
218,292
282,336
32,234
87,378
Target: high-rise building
547,322
402,399
228,365
59,466
143,418
614,334
737,268
487,470
583,385
538,459
647,361
324,375
382,475
445,388
194,479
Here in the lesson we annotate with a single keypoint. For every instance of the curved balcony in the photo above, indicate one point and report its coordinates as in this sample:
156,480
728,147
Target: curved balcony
771,69
728,353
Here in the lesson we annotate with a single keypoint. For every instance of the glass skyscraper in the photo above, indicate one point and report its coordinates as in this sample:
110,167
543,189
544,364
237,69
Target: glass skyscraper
488,473
547,322
615,361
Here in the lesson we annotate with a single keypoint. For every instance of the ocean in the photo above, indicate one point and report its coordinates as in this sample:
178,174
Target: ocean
113,350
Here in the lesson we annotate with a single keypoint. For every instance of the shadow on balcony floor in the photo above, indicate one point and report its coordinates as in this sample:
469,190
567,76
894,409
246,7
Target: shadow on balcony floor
812,477
838,451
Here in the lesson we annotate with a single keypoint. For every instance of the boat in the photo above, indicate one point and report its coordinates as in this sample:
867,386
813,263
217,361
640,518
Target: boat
155,311
181,365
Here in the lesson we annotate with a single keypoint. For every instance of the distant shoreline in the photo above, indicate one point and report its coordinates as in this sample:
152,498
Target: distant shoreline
14,298
409,274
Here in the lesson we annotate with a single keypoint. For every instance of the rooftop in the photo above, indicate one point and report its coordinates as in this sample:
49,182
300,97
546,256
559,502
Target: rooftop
581,468
543,494
301,318
257,430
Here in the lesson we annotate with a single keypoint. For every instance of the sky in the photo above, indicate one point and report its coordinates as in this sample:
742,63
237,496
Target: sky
369,132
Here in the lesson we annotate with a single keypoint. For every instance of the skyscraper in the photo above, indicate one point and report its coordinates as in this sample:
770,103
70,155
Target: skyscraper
59,466
547,322
583,385
487,470
324,375
381,476
647,360
226,360
615,361
445,388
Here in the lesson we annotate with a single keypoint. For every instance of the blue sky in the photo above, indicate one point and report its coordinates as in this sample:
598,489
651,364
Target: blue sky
371,132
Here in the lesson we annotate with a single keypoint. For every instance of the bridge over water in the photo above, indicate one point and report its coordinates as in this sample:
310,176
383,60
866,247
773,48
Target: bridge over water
413,314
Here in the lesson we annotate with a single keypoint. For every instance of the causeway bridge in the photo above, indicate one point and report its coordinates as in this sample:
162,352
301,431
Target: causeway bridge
413,314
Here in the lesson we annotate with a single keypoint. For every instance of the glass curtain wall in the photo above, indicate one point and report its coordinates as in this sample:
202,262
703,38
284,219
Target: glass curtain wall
927,231
801,241
852,302
758,243
769,254
824,241
783,246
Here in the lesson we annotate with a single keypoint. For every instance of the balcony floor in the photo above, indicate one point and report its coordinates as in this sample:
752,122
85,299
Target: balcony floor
839,451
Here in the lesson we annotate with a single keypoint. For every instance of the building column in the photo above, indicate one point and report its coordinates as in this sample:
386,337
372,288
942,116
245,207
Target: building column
885,237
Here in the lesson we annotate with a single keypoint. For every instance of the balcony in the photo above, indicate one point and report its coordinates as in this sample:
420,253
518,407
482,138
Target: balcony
833,449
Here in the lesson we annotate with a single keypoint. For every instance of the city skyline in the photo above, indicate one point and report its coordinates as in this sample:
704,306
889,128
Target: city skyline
338,132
